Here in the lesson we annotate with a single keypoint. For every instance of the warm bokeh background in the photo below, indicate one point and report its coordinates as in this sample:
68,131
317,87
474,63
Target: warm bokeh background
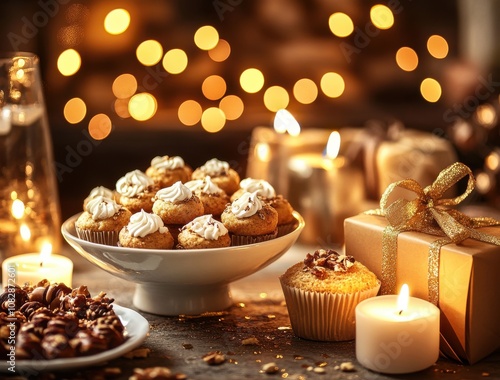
115,103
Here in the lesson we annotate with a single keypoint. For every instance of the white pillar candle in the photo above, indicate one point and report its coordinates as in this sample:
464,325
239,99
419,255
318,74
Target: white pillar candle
392,341
29,268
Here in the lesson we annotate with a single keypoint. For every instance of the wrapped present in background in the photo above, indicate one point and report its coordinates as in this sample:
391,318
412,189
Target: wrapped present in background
390,152
443,255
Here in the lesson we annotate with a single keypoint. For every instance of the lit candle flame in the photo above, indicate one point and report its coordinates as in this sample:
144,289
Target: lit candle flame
45,252
333,145
403,298
285,122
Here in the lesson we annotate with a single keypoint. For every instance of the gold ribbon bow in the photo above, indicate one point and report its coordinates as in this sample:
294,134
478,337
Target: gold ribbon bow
430,214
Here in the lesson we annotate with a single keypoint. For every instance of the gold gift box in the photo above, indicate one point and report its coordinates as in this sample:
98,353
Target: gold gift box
469,281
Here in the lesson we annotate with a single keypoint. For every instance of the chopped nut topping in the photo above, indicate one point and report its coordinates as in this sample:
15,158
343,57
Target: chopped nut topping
214,358
141,352
157,373
270,368
322,259
347,367
250,341
319,370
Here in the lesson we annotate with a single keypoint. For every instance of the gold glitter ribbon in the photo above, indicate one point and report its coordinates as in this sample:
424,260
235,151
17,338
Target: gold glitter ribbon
431,214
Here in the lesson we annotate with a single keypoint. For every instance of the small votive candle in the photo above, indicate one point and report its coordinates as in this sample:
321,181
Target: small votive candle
30,269
397,337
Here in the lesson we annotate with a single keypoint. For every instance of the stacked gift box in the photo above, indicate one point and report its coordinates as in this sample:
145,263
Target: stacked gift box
443,255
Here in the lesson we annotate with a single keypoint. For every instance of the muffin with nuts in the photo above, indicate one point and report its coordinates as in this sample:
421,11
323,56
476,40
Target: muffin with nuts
176,205
145,230
286,220
322,292
135,190
102,221
167,170
214,199
204,232
250,220
221,174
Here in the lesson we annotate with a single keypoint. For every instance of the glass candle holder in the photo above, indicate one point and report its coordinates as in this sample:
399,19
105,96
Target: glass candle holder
29,204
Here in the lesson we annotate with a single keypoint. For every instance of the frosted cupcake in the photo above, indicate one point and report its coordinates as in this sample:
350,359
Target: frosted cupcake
135,191
214,199
176,205
286,220
204,232
250,220
221,174
98,191
167,170
102,221
322,292
145,230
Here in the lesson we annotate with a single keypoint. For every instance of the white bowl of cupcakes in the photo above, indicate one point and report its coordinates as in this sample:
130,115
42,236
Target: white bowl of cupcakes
183,235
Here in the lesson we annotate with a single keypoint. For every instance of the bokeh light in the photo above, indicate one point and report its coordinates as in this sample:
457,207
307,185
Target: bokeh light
492,161
332,84
275,98
214,87
206,37
142,106
263,152
430,90
189,112
340,24
484,182
381,16
486,115
100,126
175,61
149,52
305,91
17,209
232,106
124,86
69,62
407,58
213,119
437,46
117,21
220,52
75,110
121,108
252,80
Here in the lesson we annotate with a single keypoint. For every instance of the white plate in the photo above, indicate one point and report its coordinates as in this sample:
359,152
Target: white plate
136,326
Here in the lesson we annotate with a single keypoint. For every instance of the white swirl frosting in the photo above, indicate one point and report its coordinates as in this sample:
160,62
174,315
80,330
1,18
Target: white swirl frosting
246,205
163,163
207,227
176,193
205,186
100,190
102,207
133,183
142,224
215,167
262,187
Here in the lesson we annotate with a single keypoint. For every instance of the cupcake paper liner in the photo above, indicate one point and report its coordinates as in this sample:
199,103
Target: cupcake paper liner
100,237
286,228
248,239
323,316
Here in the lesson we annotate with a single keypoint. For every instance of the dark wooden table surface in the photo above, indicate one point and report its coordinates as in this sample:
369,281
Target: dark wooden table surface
254,332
